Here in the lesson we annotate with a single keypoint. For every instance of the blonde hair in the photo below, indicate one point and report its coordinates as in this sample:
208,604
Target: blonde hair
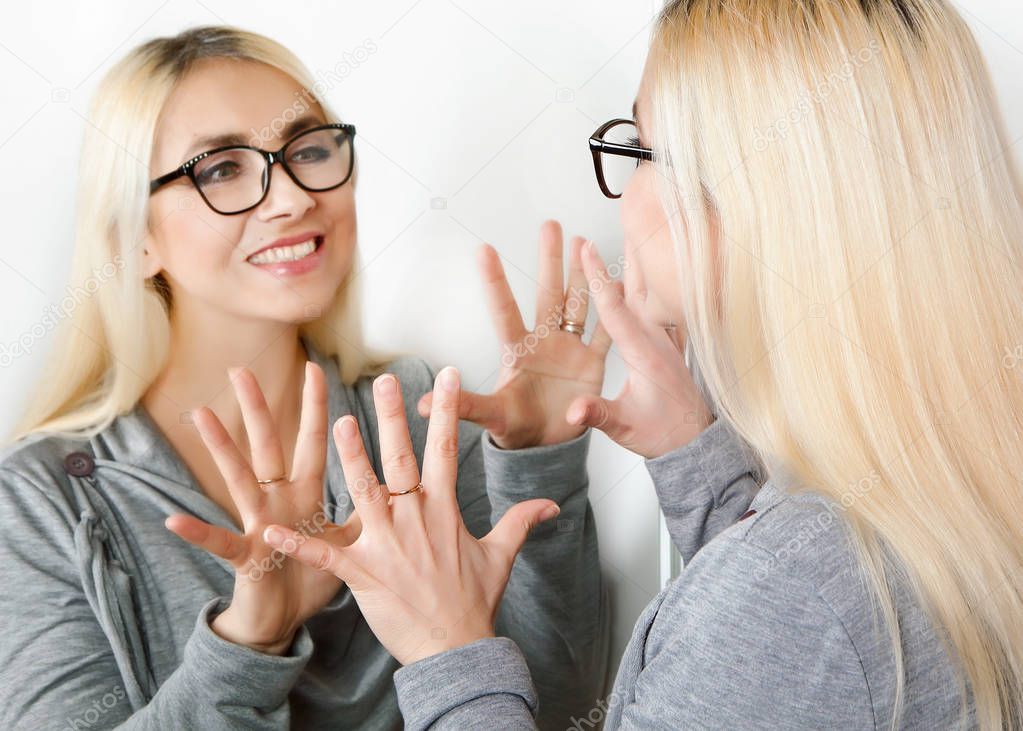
115,341
853,159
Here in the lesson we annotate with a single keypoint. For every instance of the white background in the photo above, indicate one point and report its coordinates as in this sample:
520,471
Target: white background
472,116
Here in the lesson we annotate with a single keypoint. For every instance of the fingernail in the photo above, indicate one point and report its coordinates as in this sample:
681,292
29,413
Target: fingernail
347,427
273,536
550,512
576,415
449,379
387,384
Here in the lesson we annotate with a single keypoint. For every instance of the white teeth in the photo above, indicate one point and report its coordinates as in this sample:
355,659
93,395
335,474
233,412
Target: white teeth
284,253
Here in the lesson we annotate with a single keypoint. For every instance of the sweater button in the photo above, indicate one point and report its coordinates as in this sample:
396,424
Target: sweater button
79,464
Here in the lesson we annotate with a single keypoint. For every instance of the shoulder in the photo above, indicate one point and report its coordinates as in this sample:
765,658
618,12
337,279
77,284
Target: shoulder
748,631
795,548
36,495
42,460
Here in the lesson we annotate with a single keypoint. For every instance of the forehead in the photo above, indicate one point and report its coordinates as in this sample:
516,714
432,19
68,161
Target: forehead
224,96
641,106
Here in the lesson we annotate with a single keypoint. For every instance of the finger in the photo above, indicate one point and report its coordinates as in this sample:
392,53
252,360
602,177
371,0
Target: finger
311,444
368,496
440,459
214,539
346,533
241,482
401,471
316,553
598,413
577,297
600,343
264,441
485,410
550,293
621,323
513,528
635,284
504,311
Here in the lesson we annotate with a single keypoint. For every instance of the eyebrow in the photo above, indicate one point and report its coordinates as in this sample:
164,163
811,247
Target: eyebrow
209,142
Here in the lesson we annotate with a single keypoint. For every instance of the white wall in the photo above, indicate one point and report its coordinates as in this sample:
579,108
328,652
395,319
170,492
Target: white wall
472,119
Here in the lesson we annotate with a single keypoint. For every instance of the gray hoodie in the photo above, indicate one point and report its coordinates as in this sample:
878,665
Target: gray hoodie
106,613
769,626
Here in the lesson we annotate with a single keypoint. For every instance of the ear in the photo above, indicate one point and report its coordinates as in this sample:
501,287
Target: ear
152,264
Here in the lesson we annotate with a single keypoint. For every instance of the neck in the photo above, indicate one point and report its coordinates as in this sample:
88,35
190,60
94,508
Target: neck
196,374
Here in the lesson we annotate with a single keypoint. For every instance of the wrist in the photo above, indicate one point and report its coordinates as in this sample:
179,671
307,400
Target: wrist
445,642
695,424
226,626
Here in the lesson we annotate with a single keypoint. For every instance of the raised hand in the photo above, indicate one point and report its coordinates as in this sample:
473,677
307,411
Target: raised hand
659,408
273,595
422,581
543,369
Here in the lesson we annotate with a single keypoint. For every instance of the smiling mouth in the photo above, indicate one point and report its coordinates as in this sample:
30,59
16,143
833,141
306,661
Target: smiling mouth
294,252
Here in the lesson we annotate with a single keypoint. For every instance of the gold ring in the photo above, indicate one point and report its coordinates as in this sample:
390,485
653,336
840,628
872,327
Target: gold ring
571,326
417,488
276,479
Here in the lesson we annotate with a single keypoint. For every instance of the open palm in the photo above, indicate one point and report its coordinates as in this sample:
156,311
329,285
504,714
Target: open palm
544,369
273,595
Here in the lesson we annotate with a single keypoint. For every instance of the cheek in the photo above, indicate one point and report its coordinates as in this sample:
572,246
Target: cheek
194,243
650,244
340,218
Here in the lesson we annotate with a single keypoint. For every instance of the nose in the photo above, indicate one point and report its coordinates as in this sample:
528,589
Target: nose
284,198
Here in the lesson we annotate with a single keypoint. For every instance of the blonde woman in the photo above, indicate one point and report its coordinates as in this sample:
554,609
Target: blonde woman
826,199
232,248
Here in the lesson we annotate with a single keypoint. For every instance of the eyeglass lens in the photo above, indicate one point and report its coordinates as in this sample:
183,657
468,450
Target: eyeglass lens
617,169
234,180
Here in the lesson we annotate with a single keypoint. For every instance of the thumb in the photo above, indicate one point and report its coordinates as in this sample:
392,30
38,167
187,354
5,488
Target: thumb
512,529
314,552
483,410
596,412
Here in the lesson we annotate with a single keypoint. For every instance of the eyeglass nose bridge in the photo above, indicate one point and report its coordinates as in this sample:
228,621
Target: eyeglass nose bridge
275,157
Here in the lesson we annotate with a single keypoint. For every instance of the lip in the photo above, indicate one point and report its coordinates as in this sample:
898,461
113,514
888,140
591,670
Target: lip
288,268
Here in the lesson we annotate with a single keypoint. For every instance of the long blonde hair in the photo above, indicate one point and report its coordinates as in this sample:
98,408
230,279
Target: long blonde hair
869,321
115,340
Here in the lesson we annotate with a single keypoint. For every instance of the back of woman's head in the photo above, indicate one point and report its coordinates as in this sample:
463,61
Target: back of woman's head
861,319
116,338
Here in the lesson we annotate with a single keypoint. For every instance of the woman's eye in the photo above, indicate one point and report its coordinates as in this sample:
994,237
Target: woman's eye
219,173
313,153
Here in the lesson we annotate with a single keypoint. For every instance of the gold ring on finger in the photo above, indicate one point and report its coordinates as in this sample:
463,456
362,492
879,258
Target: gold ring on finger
574,327
417,488
282,478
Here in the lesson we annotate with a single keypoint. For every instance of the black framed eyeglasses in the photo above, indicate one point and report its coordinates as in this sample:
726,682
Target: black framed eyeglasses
616,155
236,178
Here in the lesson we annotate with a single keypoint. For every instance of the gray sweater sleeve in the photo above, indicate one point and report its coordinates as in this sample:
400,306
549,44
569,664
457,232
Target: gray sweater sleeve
57,667
703,487
555,606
